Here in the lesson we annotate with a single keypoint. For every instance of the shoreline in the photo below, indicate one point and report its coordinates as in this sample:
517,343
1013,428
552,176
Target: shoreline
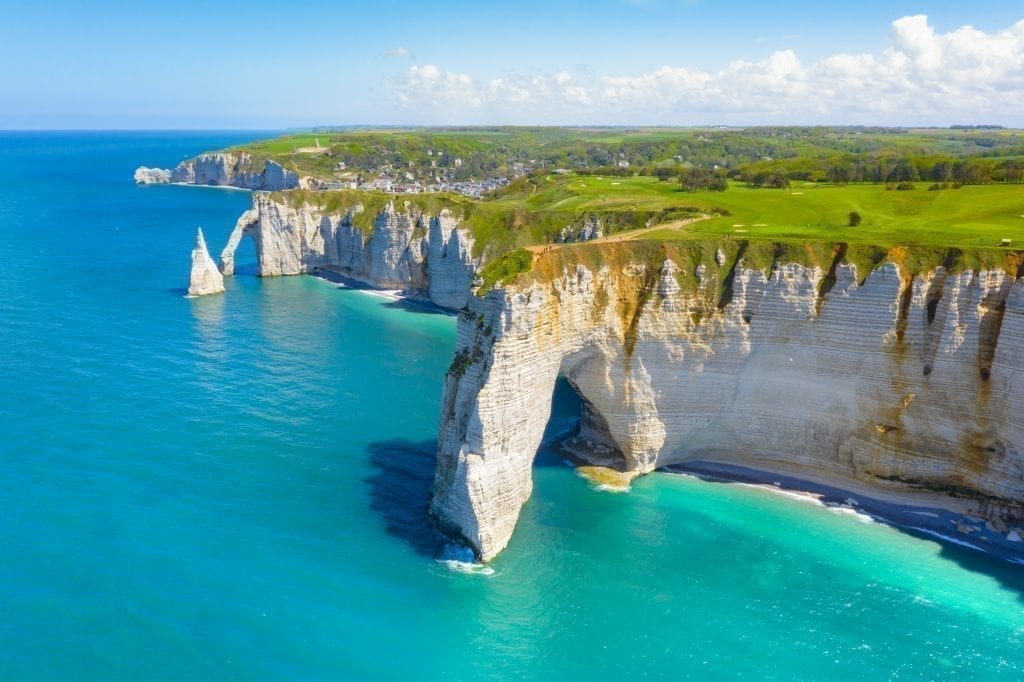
936,523
931,522
411,298
196,184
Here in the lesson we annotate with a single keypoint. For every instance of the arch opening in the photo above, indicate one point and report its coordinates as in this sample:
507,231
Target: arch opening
246,226
576,430
245,259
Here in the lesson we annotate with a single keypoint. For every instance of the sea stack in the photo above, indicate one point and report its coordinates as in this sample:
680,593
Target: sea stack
205,277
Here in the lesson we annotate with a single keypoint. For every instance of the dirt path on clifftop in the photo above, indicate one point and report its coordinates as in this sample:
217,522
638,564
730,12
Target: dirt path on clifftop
622,236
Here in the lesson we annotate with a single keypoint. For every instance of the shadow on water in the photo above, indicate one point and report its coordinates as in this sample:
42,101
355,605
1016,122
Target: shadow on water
412,305
400,490
415,306
245,269
1009,575
404,471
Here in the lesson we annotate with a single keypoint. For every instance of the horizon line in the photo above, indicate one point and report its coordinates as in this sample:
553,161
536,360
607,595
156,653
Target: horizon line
442,126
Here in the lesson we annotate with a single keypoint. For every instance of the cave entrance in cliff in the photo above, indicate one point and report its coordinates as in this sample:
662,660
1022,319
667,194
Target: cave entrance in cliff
566,412
575,428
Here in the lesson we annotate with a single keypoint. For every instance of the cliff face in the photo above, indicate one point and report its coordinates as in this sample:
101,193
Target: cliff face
223,170
899,385
403,249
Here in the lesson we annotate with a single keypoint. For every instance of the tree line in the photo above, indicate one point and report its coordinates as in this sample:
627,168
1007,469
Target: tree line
942,171
892,169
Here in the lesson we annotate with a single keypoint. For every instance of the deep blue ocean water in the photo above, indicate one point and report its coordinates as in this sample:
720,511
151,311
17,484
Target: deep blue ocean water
234,488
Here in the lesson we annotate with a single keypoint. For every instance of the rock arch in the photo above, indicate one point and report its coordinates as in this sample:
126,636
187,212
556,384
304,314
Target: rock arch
838,386
406,249
497,401
245,225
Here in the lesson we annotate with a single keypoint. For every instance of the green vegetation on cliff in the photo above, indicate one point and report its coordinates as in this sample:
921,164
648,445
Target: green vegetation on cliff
499,225
918,223
505,268
535,209
706,266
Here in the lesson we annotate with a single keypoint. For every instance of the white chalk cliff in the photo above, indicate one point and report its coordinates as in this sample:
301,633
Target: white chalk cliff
152,176
901,384
906,386
204,277
403,248
223,169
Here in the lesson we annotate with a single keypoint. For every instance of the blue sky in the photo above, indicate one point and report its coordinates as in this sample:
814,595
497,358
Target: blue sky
111,64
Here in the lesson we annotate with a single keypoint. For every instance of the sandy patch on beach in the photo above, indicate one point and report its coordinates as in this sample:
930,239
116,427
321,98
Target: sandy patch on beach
605,478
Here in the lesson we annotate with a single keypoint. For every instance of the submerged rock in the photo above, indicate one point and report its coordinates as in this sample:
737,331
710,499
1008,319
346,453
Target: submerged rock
205,277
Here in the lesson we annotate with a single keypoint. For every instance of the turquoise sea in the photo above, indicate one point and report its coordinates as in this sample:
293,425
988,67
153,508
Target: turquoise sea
234,488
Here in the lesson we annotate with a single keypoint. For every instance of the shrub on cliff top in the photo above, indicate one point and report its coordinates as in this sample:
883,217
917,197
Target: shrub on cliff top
503,269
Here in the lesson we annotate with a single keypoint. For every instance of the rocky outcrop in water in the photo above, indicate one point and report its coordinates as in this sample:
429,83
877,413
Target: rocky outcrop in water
152,176
223,169
905,386
404,248
204,277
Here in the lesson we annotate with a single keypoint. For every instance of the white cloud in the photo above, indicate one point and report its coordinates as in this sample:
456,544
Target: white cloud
965,75
398,52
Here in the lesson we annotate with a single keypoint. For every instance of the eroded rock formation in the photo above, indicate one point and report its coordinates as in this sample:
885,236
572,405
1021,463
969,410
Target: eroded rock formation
204,277
903,385
222,169
590,229
152,176
403,248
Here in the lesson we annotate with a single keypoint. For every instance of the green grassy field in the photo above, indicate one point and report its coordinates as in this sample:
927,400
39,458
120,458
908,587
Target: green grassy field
969,217
806,224
972,216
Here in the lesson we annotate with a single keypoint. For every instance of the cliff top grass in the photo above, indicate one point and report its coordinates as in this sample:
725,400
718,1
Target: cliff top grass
969,217
497,226
973,216
534,210
918,229
808,222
